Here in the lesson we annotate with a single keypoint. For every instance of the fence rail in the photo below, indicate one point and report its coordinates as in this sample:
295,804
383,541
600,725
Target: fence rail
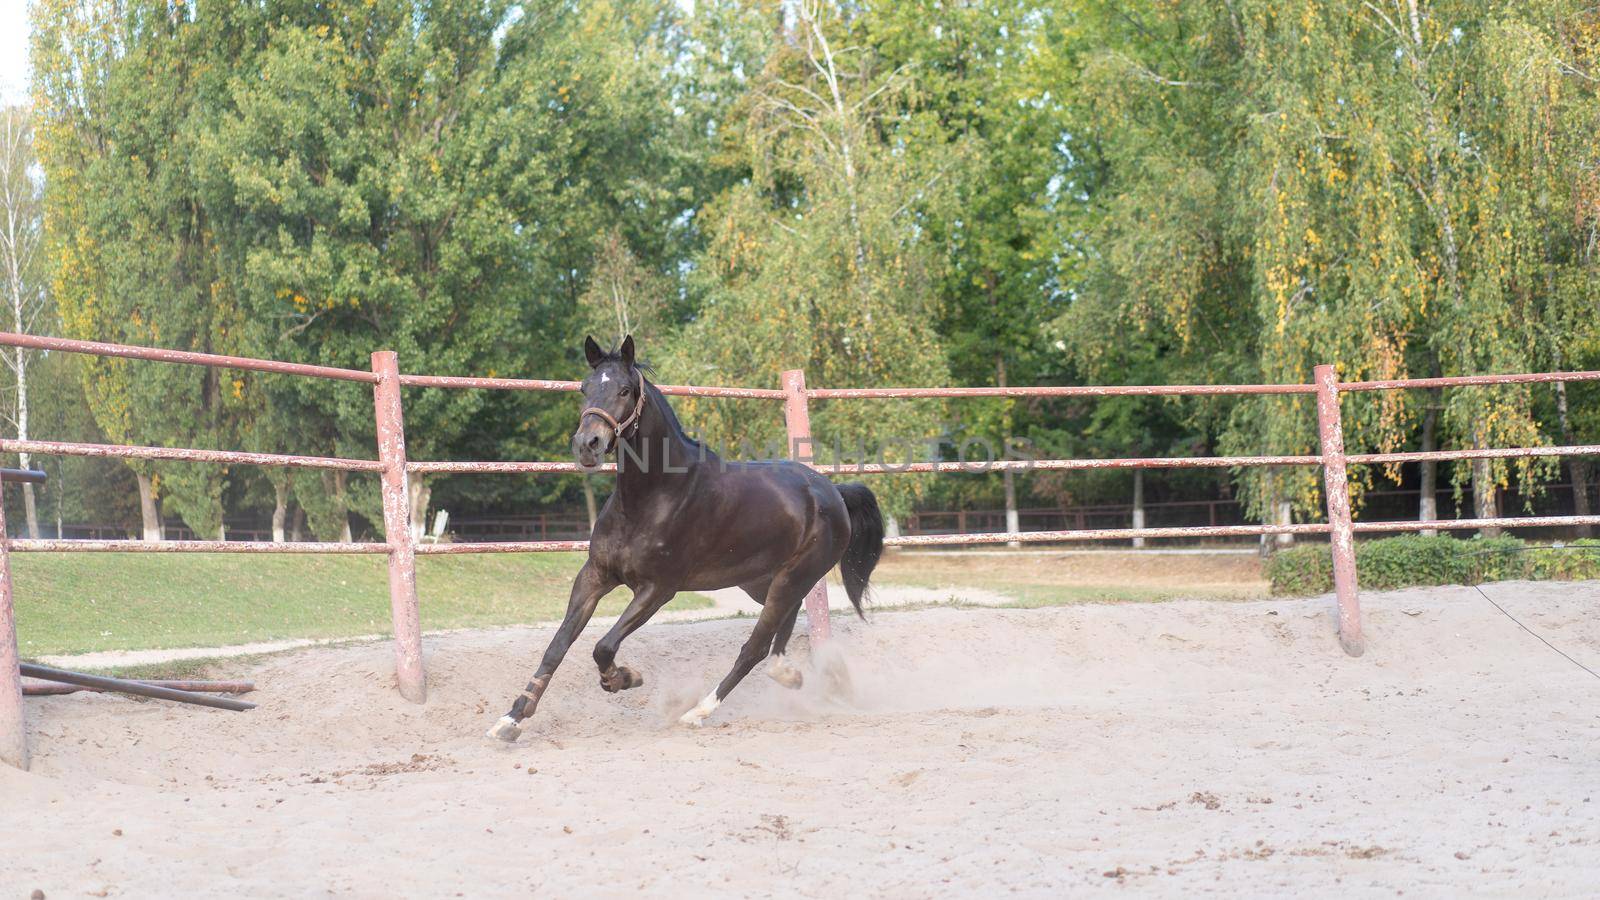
73,545
225,457
183,357
401,547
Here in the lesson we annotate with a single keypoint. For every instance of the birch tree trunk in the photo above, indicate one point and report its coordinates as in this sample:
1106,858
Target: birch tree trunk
589,502
1485,502
1577,466
280,508
1013,521
1268,482
1285,517
339,480
421,492
1138,505
150,517
19,239
28,504
59,489
1428,488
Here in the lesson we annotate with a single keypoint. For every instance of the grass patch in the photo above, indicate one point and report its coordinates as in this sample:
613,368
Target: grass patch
81,602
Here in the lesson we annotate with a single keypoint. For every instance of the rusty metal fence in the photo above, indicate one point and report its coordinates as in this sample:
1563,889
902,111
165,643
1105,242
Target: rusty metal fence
400,547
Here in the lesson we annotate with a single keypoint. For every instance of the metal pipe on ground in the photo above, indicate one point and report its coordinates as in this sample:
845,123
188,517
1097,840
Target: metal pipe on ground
51,688
123,686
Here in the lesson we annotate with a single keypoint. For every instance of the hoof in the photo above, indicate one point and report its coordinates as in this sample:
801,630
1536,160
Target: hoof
696,717
505,730
786,674
621,678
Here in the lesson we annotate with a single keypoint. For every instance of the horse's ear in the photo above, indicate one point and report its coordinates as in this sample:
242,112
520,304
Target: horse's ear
626,351
592,352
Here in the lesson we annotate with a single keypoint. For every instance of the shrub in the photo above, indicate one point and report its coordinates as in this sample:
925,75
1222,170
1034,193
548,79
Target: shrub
1578,561
1411,560
1301,571
1496,559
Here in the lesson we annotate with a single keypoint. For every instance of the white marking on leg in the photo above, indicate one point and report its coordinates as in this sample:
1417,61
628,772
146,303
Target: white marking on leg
784,672
506,729
704,708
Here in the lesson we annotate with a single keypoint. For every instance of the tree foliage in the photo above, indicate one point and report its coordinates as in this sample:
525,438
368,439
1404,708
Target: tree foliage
877,193
1398,188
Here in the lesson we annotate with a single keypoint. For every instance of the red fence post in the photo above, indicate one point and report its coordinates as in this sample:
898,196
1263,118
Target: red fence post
1341,536
407,618
797,419
13,727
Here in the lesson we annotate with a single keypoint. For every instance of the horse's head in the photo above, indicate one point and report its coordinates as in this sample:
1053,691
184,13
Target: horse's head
613,398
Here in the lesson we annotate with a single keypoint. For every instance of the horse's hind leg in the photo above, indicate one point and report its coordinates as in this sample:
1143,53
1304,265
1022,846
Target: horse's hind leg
782,670
788,591
755,648
587,589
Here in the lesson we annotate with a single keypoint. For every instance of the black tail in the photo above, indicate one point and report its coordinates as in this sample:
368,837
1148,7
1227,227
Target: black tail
866,541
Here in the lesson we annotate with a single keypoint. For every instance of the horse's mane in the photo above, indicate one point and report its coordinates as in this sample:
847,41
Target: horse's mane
648,370
669,414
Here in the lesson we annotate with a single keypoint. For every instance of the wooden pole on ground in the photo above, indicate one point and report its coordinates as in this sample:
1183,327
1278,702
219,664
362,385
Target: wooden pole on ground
140,688
48,689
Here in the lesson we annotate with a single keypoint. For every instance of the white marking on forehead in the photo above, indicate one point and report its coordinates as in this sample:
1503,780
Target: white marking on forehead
604,378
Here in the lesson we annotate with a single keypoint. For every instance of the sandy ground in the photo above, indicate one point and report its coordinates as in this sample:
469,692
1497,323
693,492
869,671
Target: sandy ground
727,602
1162,749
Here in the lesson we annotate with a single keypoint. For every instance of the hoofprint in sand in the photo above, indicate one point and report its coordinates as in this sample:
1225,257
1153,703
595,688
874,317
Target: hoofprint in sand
1165,748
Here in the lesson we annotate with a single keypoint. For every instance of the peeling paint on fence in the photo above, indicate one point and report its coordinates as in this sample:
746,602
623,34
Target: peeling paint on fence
1336,491
403,607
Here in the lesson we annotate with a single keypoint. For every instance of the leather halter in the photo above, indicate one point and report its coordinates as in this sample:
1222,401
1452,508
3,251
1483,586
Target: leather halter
618,427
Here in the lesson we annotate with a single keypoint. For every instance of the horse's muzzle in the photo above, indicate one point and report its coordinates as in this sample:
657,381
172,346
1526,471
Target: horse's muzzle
590,444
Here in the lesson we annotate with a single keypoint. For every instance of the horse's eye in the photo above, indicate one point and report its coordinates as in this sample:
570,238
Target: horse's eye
626,391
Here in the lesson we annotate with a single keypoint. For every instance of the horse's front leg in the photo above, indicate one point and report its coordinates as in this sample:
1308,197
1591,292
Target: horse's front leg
587,589
646,601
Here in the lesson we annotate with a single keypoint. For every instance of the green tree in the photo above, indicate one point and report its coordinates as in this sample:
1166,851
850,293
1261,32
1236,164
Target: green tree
821,261
1348,167
133,255
79,490
978,110
27,301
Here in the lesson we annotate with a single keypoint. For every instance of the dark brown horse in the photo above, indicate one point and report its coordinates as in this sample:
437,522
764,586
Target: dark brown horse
683,519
